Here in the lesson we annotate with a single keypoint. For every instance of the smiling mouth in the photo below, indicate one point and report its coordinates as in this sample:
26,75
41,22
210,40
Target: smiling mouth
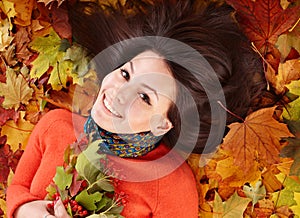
110,109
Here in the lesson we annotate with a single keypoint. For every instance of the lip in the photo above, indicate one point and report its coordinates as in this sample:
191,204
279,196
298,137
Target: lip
106,110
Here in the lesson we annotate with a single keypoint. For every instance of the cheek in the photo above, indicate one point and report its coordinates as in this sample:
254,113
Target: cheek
139,116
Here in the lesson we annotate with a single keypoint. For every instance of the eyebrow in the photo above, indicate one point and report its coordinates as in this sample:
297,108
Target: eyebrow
151,89
131,67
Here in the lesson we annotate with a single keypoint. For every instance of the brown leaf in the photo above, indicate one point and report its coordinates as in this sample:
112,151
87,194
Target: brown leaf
264,20
258,137
22,39
5,153
7,114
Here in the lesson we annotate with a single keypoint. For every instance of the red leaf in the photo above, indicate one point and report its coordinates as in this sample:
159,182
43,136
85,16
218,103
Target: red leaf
5,153
6,114
264,20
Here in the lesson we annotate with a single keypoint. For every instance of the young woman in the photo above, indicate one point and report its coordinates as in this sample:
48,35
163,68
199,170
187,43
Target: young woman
177,63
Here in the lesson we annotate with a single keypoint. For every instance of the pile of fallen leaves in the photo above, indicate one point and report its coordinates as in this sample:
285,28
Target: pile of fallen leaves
254,173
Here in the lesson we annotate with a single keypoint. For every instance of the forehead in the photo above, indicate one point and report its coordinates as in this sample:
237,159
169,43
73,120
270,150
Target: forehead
151,68
151,62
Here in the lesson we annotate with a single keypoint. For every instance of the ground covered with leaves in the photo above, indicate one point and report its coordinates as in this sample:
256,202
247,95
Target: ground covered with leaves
256,170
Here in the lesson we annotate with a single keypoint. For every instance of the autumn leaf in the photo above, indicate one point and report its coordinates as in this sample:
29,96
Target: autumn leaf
5,153
50,51
15,91
23,10
285,197
255,193
7,114
233,207
5,37
292,110
293,148
258,137
22,40
264,20
296,208
287,41
18,133
287,72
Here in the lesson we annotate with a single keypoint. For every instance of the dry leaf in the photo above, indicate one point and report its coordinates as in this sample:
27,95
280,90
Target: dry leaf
16,90
18,133
258,137
287,72
264,20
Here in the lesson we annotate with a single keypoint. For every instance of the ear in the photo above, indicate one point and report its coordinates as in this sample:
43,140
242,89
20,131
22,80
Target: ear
160,125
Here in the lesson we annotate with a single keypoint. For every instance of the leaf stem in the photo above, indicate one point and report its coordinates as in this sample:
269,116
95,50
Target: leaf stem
230,112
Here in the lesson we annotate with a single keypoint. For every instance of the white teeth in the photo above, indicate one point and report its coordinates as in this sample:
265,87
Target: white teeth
107,105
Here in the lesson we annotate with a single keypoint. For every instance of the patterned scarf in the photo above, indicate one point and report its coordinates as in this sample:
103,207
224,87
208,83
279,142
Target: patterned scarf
122,145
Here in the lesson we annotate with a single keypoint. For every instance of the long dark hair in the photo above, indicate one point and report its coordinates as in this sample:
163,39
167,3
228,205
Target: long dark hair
208,29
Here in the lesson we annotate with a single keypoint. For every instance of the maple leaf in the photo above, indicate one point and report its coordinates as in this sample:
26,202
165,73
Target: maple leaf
22,39
18,133
5,37
5,153
233,207
23,9
258,137
6,114
285,197
293,148
15,91
264,20
287,72
291,111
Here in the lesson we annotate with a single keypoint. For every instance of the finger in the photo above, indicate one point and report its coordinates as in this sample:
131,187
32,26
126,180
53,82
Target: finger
59,210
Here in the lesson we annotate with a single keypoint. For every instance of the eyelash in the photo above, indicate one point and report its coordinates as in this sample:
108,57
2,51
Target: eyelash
145,98
125,74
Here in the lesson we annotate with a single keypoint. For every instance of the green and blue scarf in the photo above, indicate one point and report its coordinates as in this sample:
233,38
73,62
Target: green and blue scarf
122,145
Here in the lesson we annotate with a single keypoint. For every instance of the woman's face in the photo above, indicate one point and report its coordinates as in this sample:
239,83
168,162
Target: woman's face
136,97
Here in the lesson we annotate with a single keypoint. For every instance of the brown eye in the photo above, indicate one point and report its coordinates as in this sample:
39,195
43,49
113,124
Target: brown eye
125,74
145,98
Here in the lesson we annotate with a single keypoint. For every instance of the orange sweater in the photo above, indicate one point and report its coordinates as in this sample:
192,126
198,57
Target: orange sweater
172,195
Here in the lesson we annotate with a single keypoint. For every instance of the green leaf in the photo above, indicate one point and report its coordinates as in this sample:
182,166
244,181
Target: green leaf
233,207
80,59
218,206
292,111
285,197
87,200
62,179
88,164
255,193
49,51
15,91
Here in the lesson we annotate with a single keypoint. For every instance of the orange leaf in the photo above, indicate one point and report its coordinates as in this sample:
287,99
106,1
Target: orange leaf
264,20
258,137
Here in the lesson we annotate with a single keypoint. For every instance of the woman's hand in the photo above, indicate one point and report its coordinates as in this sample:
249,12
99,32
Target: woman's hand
59,210
33,209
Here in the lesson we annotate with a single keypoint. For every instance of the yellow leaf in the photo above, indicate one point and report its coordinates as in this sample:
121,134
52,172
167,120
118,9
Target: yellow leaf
15,91
17,133
8,8
287,72
23,9
296,208
5,38
258,137
3,206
